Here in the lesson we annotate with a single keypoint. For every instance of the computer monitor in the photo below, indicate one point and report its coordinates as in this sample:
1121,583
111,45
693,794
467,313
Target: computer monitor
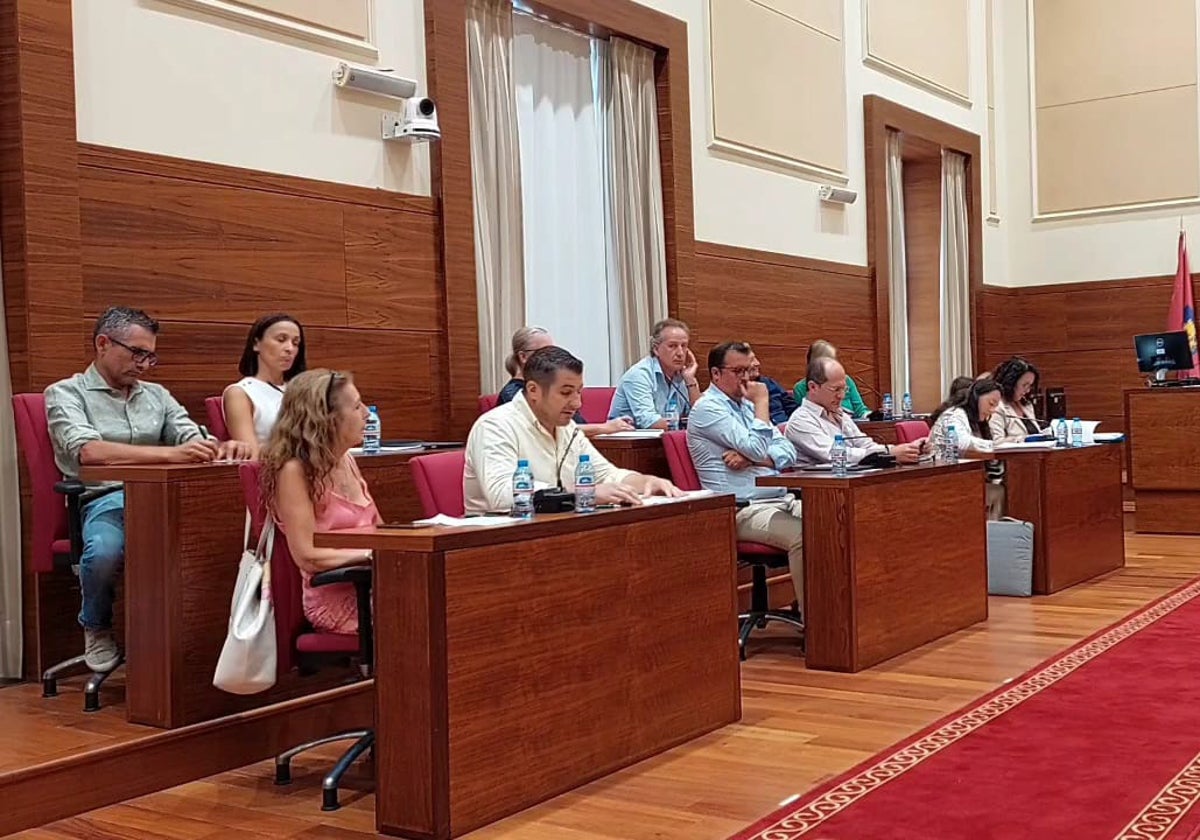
1161,352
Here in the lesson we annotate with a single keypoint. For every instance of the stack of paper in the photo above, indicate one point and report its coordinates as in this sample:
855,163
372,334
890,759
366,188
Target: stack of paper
635,433
467,521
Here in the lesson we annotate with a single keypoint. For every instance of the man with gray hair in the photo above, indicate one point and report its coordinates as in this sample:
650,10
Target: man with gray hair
107,415
664,383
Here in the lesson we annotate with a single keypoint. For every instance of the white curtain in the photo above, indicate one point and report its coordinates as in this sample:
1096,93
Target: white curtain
496,169
10,520
897,266
562,184
638,274
955,286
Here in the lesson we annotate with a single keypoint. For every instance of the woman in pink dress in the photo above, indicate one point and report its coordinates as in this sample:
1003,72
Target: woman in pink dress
311,483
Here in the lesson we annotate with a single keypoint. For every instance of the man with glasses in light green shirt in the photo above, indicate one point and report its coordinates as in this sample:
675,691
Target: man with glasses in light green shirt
107,415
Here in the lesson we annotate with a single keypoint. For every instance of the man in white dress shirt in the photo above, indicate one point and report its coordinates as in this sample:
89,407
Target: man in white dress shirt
538,425
820,417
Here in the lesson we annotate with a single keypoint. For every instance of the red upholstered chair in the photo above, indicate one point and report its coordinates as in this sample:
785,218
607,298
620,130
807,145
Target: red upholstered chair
214,407
439,481
57,538
757,556
487,402
596,403
909,431
300,646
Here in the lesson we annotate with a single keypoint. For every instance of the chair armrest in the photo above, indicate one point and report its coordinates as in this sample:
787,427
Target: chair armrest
356,575
69,487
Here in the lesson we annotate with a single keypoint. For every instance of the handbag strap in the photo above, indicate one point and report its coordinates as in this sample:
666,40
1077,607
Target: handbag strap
266,542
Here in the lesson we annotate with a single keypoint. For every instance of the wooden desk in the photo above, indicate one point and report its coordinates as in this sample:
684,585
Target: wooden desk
892,560
881,431
1073,499
644,455
1164,450
518,662
183,539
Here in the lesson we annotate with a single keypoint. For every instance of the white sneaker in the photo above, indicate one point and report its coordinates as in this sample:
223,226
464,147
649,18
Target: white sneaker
100,650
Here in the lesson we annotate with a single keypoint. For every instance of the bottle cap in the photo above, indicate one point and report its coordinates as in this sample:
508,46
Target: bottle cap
522,462
583,459
839,439
372,408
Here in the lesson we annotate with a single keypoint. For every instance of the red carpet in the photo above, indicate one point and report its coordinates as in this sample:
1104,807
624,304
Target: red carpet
1102,741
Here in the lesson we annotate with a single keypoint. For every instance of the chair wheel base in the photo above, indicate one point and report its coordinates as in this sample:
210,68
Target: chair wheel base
329,800
50,688
91,701
283,774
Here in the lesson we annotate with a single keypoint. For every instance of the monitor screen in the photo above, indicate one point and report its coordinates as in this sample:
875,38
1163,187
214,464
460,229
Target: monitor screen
1163,351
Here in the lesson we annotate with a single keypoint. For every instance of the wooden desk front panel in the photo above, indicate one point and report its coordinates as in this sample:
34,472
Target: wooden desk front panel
1164,445
891,566
1073,498
644,455
602,647
512,671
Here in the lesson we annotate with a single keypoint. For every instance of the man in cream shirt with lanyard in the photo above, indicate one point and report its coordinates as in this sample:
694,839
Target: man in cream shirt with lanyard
538,426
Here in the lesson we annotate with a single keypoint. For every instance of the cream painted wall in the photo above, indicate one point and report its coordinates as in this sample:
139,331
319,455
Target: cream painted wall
153,77
1103,247
744,203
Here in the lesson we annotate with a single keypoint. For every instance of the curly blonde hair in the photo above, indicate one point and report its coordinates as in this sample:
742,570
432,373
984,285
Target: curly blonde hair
306,431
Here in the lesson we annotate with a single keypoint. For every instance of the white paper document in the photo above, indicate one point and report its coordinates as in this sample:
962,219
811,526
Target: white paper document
634,433
390,450
467,521
1017,446
687,496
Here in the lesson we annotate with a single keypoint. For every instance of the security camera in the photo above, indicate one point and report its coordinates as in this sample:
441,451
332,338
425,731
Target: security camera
417,123
837,195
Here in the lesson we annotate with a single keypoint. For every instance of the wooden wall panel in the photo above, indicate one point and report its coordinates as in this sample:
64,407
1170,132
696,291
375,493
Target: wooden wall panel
393,270
184,250
781,304
923,255
1080,335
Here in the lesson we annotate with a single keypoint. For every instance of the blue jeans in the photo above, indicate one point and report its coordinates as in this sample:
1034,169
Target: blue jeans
102,559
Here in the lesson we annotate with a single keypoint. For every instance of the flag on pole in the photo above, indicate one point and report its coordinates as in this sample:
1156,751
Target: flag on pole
1183,309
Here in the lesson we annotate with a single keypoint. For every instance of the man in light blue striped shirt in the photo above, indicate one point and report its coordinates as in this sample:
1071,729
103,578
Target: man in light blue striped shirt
648,386
732,442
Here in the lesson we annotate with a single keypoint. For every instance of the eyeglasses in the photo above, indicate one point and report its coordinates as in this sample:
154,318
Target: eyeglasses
738,371
140,355
333,377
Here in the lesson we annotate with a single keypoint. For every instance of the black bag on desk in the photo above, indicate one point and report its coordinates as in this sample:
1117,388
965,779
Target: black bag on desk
553,500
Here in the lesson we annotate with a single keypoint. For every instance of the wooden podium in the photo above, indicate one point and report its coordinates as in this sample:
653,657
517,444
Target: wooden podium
1164,451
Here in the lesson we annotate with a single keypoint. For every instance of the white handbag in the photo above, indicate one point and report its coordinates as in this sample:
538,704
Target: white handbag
248,659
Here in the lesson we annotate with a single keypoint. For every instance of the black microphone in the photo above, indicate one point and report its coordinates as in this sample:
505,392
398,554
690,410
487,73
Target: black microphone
563,460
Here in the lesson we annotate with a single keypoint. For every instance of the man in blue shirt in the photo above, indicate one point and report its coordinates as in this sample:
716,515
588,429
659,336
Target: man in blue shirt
668,373
782,402
732,442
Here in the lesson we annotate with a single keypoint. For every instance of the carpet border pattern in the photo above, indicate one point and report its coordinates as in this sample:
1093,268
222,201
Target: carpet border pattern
877,772
1167,807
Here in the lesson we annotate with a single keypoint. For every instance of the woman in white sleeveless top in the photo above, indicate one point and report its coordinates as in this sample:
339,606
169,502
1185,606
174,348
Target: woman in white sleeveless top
274,353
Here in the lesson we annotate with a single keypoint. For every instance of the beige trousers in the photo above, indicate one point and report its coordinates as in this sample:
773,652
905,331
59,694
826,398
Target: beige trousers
778,525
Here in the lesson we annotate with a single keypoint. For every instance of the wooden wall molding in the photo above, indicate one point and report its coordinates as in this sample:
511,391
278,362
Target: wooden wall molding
736,252
446,58
879,115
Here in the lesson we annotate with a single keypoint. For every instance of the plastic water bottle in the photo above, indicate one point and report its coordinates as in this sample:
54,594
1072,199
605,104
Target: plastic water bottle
906,407
950,456
889,411
1060,433
837,456
671,414
1076,432
372,433
523,490
585,485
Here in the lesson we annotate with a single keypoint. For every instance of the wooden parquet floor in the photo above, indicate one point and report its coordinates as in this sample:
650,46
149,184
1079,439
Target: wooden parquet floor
798,728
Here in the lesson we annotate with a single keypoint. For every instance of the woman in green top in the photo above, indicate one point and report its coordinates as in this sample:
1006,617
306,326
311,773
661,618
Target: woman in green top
853,401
